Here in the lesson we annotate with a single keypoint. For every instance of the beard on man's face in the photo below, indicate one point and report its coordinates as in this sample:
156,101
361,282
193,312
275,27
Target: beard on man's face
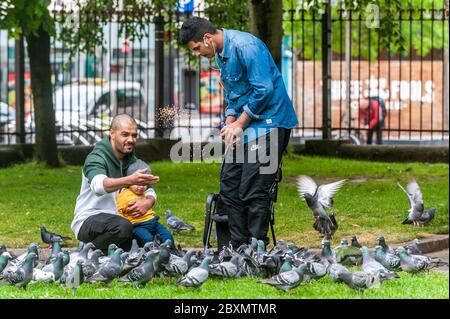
124,148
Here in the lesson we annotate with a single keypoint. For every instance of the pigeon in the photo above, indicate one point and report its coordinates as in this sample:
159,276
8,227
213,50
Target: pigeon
318,199
387,259
327,252
412,264
179,265
23,275
142,274
82,255
56,267
384,245
334,270
413,248
56,249
74,278
314,271
197,276
16,263
415,203
226,269
175,223
91,265
359,280
370,265
111,249
355,242
347,255
427,216
287,263
5,257
48,237
42,276
109,270
286,280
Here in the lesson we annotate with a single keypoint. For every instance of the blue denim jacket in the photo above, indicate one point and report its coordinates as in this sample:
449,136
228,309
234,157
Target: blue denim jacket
253,84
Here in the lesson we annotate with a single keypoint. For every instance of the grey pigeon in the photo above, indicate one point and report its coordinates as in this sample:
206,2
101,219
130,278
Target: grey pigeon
111,249
32,248
56,267
287,263
355,242
415,203
175,223
359,280
314,271
370,265
286,280
318,200
384,245
56,249
23,275
109,270
91,265
48,237
413,247
412,264
387,259
74,278
327,252
427,216
196,276
226,269
5,257
82,255
179,265
334,270
142,274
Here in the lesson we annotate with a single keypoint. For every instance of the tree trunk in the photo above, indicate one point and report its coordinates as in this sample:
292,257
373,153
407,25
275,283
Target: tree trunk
266,22
41,87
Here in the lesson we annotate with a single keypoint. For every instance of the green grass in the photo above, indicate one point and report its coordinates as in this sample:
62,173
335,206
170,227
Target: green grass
423,286
370,204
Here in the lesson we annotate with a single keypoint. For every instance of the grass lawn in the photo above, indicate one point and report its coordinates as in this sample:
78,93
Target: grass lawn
423,286
369,205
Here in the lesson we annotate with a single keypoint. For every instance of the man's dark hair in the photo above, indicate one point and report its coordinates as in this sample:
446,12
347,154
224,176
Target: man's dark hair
193,29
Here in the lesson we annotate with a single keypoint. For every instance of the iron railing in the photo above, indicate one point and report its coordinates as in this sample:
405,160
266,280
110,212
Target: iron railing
127,76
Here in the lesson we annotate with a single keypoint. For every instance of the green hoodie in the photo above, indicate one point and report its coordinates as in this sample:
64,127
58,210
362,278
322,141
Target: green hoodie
102,160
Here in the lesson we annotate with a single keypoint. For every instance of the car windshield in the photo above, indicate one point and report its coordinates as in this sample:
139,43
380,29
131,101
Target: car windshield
76,98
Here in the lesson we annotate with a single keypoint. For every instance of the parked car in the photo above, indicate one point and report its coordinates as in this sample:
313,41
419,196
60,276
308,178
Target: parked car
83,109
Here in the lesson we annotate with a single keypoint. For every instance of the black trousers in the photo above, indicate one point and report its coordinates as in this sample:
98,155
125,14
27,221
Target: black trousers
244,188
378,129
105,229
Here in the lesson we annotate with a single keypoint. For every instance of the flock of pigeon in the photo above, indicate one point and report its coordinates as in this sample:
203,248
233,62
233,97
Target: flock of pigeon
320,198
285,266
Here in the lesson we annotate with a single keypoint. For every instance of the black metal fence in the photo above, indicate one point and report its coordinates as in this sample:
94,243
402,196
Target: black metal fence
155,81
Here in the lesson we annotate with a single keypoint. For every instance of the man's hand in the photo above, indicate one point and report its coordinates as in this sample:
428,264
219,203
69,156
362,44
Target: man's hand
232,132
140,177
139,206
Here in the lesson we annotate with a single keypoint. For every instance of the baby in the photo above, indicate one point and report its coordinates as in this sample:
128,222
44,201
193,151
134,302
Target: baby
146,226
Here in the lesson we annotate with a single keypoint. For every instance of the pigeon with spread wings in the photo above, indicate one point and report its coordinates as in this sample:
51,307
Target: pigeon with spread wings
318,199
415,203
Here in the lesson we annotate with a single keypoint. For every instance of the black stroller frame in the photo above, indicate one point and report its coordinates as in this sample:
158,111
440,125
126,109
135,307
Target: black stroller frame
221,221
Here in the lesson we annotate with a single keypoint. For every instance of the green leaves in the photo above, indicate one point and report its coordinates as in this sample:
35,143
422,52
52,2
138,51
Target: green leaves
25,17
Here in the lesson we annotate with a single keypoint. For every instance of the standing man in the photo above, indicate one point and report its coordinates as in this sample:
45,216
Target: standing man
372,114
259,117
96,217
